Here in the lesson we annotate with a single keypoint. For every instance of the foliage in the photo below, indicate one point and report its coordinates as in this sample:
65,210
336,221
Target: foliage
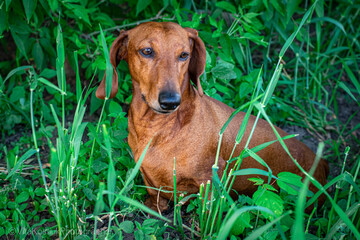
66,169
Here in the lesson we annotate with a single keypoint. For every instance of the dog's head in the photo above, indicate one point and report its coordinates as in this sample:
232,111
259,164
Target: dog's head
161,58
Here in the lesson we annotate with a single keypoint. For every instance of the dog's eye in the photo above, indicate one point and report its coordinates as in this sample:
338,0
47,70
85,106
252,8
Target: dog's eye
183,56
147,52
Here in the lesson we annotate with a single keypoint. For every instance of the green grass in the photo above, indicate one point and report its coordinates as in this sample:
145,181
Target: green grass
68,173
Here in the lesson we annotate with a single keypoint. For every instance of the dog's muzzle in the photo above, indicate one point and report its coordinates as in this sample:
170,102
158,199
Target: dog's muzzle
169,101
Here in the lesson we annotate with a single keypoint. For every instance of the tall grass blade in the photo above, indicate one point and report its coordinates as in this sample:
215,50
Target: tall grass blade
352,77
251,171
135,170
228,224
99,205
58,124
111,179
16,70
19,163
50,84
273,82
298,227
264,145
78,83
330,20
338,225
109,67
347,90
60,70
261,230
292,37
354,179
237,111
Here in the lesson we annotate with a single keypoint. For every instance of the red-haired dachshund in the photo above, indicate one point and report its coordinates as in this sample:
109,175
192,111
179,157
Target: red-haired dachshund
182,121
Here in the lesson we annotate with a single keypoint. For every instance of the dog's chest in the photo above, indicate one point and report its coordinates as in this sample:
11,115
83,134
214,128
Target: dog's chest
161,159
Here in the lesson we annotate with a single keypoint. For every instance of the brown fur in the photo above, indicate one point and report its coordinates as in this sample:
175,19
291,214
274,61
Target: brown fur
190,133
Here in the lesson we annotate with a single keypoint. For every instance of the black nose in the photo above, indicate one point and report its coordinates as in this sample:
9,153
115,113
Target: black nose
169,100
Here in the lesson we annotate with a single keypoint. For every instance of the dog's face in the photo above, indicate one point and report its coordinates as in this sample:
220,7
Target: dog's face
158,57
161,58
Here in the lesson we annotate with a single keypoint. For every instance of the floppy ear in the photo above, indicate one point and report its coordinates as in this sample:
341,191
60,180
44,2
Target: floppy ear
118,52
197,58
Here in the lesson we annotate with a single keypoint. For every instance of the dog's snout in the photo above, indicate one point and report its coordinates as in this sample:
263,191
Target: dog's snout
169,100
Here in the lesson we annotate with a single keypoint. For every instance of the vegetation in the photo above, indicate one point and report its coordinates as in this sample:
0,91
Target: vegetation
66,170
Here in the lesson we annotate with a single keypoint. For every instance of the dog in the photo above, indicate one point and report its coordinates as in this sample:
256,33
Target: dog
182,121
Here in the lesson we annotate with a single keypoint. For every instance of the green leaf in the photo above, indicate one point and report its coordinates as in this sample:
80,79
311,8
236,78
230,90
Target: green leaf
269,200
257,181
54,5
141,5
22,197
15,217
7,4
47,46
291,7
89,194
95,103
225,44
244,89
2,217
287,180
29,6
319,9
80,11
39,191
238,53
48,73
114,107
2,20
19,43
241,222
279,8
213,22
127,226
19,26
226,6
17,93
98,166
38,55
224,70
